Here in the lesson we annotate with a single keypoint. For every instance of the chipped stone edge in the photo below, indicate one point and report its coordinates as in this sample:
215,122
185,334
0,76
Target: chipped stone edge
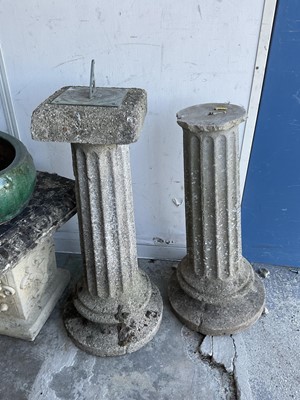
133,110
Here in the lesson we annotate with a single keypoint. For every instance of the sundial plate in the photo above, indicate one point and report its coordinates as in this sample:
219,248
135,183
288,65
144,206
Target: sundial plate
102,97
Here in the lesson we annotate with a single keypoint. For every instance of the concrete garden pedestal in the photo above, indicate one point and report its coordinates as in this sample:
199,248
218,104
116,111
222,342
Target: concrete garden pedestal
116,309
214,290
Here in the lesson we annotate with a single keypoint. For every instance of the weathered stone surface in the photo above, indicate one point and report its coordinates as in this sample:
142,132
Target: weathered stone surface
116,309
128,333
52,204
30,283
30,291
210,117
214,290
90,124
107,224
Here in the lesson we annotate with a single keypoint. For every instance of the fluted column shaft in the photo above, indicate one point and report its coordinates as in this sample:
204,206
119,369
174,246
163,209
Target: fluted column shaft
214,290
104,198
107,234
212,203
214,261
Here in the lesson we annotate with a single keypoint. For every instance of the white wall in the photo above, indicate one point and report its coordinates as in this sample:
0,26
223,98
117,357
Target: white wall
3,126
182,52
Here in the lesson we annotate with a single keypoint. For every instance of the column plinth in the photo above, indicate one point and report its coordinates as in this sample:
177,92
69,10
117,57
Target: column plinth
214,290
116,309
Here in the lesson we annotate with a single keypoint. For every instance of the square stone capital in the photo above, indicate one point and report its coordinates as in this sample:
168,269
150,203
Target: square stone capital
93,124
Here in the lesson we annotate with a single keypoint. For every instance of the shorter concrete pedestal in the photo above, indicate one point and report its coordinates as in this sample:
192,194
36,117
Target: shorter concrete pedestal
214,290
116,309
30,283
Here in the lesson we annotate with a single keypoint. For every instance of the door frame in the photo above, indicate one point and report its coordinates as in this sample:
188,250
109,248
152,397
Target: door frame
6,101
259,71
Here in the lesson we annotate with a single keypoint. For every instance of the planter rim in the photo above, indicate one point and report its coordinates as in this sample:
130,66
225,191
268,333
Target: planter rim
18,146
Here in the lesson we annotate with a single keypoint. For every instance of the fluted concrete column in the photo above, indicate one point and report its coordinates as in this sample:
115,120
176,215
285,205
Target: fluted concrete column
116,309
214,290
106,219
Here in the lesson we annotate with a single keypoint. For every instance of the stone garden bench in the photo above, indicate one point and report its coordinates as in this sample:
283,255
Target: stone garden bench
30,282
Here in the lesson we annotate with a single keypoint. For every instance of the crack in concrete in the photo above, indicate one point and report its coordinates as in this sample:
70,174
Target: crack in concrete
210,355
235,367
216,382
240,370
228,355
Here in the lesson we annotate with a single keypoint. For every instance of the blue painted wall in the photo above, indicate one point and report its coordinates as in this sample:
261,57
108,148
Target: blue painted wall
271,203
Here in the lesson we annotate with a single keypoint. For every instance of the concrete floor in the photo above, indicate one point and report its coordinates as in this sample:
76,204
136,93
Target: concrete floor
262,363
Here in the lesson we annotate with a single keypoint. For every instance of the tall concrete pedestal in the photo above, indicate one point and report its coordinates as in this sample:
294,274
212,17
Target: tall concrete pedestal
116,309
214,290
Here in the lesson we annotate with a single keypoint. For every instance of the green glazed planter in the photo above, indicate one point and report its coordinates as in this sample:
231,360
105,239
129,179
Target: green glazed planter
17,177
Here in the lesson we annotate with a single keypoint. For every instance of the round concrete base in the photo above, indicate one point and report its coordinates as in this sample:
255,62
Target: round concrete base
218,319
118,339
